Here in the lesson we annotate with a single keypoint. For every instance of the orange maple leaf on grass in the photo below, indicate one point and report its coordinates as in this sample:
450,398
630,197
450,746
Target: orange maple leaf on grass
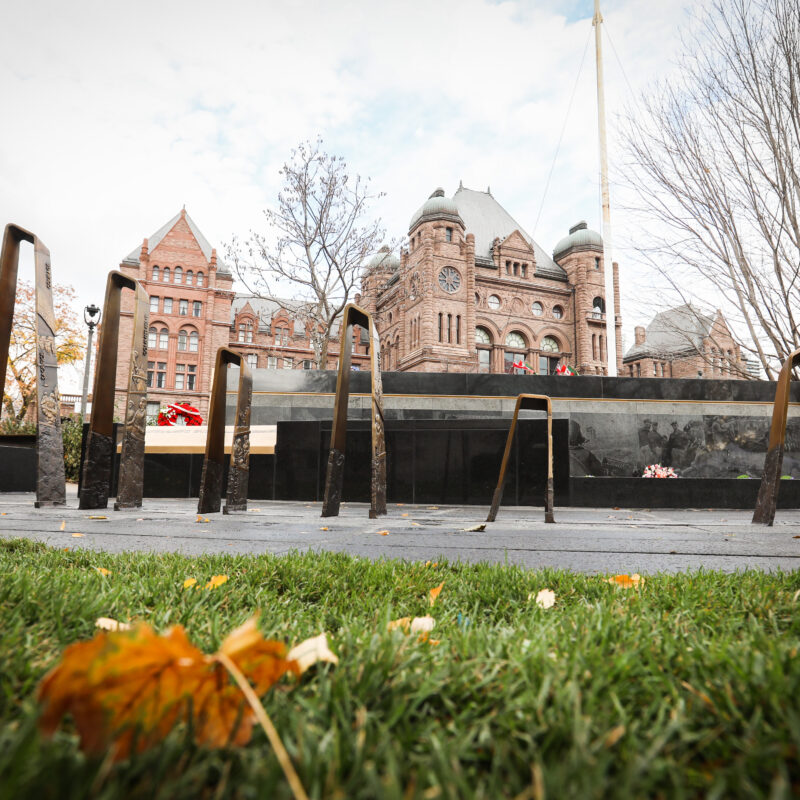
129,688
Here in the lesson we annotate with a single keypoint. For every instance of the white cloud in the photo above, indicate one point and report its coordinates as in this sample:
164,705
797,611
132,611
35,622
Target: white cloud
118,114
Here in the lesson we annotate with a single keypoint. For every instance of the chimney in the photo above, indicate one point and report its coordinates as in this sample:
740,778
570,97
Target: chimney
639,333
145,250
214,257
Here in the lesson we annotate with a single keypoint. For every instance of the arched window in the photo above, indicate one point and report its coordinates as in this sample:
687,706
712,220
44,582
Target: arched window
194,342
514,355
166,274
483,340
598,307
516,340
182,339
558,312
152,335
155,272
189,277
548,363
178,274
163,339
199,278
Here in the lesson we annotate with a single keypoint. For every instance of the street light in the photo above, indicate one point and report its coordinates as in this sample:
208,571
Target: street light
89,314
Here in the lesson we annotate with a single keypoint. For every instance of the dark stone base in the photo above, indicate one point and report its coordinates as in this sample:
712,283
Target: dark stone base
675,493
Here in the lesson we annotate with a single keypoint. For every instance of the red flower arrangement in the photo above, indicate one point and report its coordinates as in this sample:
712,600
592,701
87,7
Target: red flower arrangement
179,414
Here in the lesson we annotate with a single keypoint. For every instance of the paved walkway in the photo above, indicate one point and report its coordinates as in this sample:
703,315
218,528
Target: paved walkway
586,540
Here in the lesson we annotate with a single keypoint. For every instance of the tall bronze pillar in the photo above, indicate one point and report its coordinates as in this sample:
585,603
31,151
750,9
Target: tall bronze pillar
767,500
531,402
50,481
353,315
214,461
99,457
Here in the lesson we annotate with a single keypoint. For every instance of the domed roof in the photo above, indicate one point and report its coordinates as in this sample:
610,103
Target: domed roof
579,236
437,206
383,261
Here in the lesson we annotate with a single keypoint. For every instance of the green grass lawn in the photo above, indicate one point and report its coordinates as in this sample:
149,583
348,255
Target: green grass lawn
686,687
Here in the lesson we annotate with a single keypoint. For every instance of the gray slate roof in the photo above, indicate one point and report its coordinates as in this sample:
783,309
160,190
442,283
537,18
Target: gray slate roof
673,331
485,218
154,240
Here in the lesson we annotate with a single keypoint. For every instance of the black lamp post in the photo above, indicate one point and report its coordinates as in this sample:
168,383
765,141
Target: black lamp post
89,314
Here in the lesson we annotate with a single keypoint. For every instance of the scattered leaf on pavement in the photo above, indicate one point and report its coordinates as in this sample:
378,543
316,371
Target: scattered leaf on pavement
480,527
77,535
63,524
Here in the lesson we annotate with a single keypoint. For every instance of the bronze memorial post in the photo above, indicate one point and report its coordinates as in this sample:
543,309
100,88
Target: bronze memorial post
771,478
353,315
214,461
100,445
50,481
533,402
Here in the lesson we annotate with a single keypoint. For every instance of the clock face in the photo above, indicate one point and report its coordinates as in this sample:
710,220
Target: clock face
449,280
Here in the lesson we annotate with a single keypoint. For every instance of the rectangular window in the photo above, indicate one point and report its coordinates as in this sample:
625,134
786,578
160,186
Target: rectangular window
272,362
197,308
190,378
448,234
516,267
167,305
180,375
153,407
161,375
252,360
449,328
151,365
484,360
288,363
524,270
458,328
153,303
183,308
308,364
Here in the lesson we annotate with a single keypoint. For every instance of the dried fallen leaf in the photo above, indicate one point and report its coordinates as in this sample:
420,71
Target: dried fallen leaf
697,693
323,529
63,524
433,508
481,527
132,686
546,598
626,581
189,582
383,533
311,651
434,593
108,624
404,515
216,580
404,623
77,535
422,624
416,524
103,570
98,517
614,735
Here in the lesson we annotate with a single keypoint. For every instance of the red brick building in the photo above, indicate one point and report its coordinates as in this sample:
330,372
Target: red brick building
683,342
471,292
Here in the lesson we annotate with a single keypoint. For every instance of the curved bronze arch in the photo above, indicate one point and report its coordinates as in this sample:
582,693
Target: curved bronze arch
214,461
530,402
767,502
353,315
50,481
100,443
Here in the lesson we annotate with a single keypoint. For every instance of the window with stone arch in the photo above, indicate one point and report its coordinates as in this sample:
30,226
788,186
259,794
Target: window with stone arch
537,309
163,339
178,274
558,312
483,341
166,274
493,302
152,337
189,277
155,272
246,331
199,278
549,347
514,354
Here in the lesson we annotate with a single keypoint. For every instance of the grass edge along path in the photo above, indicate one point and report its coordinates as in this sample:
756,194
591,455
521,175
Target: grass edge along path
686,686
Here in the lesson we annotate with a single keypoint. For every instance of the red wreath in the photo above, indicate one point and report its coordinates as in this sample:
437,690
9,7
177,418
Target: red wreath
172,411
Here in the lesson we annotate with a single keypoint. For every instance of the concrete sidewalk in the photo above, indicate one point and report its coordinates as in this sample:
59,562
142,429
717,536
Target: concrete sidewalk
585,540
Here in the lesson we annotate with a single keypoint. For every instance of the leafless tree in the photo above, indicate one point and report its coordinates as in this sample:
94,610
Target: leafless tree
318,239
714,158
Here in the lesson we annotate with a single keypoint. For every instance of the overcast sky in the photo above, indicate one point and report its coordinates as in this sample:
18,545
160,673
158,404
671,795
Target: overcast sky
116,114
